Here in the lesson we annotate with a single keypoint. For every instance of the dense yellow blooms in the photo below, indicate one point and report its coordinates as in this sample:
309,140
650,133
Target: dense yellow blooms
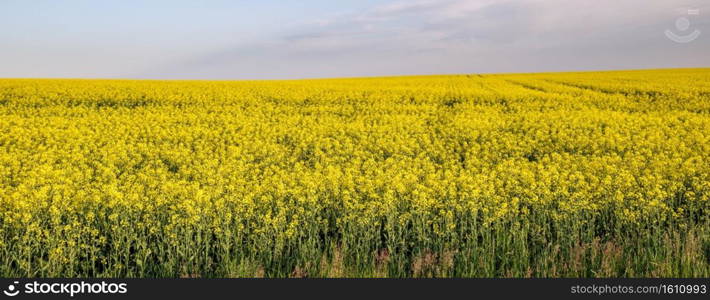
98,175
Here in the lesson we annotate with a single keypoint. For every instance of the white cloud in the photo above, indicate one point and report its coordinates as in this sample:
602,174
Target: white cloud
466,36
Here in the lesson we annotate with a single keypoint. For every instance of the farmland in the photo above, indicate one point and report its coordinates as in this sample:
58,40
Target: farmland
599,174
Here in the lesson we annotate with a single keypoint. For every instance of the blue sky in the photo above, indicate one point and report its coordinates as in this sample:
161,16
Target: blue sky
305,39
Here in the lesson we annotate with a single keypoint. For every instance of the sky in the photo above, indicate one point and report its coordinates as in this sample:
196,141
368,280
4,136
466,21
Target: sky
266,39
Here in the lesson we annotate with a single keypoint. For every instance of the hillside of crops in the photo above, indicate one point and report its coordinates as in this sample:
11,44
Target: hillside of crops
597,174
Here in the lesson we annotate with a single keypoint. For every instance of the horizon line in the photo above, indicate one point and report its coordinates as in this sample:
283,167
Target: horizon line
361,77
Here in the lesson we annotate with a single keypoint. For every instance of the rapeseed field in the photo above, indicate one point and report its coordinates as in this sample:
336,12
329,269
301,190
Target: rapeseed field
600,174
